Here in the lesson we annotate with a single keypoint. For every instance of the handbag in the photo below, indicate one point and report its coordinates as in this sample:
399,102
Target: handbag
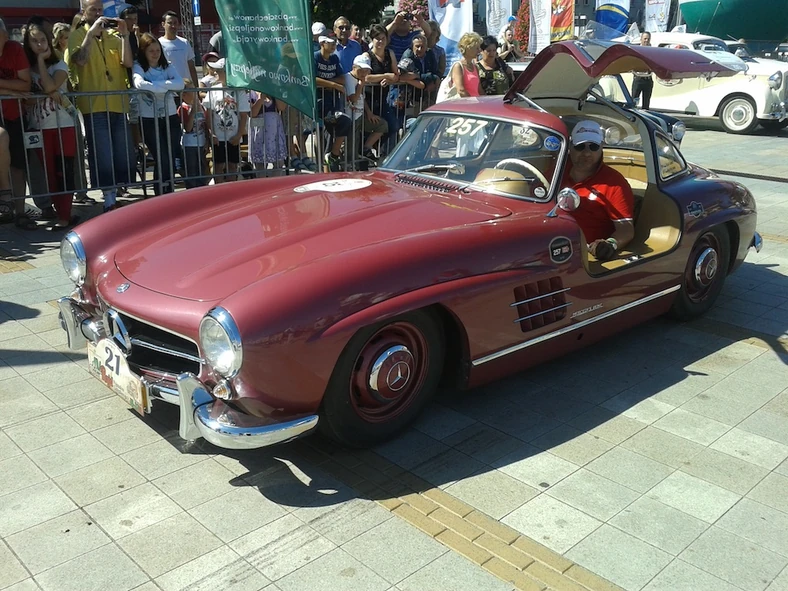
446,91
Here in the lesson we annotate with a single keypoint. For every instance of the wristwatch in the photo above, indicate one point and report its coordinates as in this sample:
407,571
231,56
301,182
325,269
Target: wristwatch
613,242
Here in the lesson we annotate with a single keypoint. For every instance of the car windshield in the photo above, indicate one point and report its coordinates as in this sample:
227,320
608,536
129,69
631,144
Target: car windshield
517,159
710,45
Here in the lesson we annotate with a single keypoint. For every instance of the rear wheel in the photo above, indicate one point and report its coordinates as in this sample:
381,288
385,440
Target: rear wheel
704,275
772,125
383,379
738,115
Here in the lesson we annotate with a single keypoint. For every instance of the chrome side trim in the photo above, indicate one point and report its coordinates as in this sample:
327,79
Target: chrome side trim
146,345
543,312
539,297
567,329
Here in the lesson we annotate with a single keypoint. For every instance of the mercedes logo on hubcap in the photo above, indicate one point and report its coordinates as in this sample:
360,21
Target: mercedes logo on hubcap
398,376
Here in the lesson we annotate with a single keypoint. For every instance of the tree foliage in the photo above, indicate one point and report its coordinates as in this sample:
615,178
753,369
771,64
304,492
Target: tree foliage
360,12
522,26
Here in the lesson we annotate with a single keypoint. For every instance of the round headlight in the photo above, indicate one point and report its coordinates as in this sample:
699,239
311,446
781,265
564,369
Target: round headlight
221,342
678,131
612,136
775,80
72,255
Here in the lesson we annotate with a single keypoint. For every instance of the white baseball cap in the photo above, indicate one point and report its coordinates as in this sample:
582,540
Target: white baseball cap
318,28
587,131
218,64
362,61
326,39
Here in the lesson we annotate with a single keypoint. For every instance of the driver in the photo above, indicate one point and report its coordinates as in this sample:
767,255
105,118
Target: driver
606,210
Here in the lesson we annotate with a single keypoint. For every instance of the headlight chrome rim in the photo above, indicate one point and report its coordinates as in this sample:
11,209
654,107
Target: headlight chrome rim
678,131
776,80
79,273
221,317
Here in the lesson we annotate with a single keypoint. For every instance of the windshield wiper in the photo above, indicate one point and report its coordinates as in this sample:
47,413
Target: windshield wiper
455,167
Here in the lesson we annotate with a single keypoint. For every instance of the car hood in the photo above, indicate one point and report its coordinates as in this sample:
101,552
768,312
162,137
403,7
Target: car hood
759,66
213,250
569,68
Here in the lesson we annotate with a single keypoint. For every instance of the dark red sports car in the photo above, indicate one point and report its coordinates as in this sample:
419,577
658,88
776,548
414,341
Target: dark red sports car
268,308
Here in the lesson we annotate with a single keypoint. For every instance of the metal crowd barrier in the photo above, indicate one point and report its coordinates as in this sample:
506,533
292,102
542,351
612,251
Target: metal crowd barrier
116,149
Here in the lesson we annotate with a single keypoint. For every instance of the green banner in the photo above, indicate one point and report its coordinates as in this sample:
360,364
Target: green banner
268,44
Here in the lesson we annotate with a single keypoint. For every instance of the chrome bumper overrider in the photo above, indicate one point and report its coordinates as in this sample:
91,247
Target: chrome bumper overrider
757,242
778,112
193,397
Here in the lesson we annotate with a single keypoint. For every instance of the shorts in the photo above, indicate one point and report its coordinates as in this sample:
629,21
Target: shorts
225,152
16,142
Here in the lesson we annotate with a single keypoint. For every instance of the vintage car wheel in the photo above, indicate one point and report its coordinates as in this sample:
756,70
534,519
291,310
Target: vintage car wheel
384,377
704,275
738,114
772,125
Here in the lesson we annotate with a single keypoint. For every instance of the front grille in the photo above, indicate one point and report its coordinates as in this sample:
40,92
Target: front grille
156,351
540,303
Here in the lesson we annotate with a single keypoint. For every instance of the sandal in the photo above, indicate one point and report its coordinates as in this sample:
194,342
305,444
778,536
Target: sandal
59,227
83,198
23,222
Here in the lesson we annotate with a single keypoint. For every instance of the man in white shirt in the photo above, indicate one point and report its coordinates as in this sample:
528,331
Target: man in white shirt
177,50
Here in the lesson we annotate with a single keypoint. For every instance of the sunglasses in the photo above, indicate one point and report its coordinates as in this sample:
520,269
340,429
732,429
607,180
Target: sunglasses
343,27
587,145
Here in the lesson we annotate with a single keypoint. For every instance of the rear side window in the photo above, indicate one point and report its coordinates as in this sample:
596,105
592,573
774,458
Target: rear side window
669,159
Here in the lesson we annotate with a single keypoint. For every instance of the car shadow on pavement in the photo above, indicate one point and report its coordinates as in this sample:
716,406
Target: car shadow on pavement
577,407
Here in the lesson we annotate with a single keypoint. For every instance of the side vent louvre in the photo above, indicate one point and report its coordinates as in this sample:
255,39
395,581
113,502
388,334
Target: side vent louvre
540,303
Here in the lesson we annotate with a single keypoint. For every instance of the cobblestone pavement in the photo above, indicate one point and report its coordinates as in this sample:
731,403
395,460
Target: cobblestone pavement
657,461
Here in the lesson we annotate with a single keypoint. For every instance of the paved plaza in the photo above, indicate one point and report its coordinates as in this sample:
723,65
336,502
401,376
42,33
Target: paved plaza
655,461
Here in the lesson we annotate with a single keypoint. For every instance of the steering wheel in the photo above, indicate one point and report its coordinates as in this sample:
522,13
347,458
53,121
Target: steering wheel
529,167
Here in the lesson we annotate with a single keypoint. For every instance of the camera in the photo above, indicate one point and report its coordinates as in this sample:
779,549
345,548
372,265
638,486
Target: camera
408,16
111,23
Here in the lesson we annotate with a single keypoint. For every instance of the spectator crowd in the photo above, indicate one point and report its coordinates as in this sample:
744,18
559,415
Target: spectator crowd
100,88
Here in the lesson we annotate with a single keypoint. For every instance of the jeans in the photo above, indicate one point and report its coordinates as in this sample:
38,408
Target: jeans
645,85
110,154
194,167
163,138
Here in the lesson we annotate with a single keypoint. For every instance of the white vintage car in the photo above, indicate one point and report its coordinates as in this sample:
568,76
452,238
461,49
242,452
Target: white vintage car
741,102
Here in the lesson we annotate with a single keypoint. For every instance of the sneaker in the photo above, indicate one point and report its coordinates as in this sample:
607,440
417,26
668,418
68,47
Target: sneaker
309,164
296,163
369,154
333,161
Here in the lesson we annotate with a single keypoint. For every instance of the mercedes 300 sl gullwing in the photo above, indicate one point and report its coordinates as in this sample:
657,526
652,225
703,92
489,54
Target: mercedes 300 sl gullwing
266,309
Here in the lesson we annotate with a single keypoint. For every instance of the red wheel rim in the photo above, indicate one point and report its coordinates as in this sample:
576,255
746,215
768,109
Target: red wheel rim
703,268
389,372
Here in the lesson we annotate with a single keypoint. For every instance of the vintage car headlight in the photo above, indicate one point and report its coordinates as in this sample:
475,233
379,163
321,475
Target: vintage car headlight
776,80
220,340
72,255
678,131
612,136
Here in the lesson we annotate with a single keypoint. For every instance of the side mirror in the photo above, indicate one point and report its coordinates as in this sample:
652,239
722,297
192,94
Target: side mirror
568,199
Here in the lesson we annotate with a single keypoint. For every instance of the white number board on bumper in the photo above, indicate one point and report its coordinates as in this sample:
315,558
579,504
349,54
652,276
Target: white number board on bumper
107,363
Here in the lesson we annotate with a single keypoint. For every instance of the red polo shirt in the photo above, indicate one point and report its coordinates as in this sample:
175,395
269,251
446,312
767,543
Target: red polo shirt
605,197
12,62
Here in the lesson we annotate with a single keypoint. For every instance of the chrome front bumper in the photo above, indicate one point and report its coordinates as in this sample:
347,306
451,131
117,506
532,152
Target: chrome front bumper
779,112
195,401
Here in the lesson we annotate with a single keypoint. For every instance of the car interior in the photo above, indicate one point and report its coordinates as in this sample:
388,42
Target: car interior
523,161
657,216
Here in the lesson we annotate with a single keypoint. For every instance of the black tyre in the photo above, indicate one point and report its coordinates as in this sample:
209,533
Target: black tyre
738,114
772,125
704,275
383,379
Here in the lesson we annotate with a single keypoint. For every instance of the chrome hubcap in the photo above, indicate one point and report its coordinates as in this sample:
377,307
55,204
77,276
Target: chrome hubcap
706,267
391,373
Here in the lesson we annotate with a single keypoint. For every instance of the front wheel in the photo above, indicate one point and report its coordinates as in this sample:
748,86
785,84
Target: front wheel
704,275
772,125
383,379
738,115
